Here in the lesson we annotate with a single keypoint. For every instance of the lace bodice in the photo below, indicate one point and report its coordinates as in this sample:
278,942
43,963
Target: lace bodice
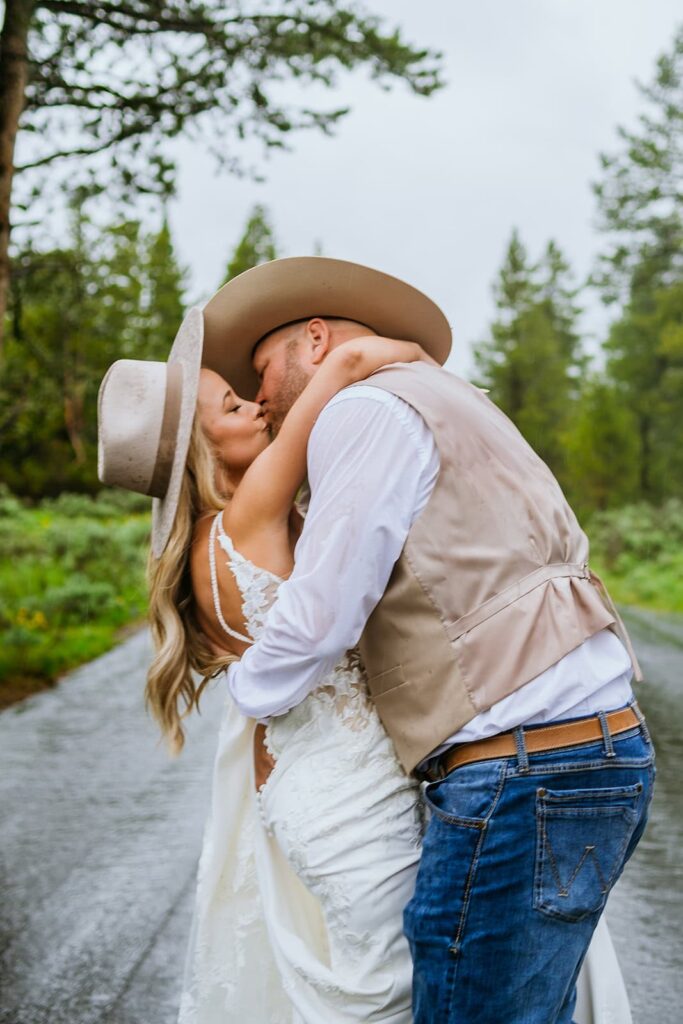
342,694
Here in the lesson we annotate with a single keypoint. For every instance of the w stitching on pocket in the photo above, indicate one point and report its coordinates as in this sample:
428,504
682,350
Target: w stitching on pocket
548,863
563,888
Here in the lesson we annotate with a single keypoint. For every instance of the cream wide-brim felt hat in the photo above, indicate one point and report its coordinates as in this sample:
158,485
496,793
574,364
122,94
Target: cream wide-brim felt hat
273,294
145,412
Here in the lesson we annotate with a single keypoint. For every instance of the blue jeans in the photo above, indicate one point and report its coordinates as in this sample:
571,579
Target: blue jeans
519,857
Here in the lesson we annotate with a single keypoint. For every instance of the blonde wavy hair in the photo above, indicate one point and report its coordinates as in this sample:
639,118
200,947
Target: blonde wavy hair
181,650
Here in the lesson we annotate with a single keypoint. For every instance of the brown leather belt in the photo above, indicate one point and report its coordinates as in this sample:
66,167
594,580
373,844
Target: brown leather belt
537,740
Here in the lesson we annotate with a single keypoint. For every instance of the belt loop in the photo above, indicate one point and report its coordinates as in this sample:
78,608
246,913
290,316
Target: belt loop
522,754
606,735
641,719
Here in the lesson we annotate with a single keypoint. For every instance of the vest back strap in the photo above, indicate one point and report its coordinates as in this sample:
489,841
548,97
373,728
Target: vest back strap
496,604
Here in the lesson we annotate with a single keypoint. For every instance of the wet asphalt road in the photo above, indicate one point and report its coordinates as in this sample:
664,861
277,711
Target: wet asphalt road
645,911
101,831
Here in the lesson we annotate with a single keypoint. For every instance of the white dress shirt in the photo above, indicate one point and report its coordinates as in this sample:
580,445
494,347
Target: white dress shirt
372,466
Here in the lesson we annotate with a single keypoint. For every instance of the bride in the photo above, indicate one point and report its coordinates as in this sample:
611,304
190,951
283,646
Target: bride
313,838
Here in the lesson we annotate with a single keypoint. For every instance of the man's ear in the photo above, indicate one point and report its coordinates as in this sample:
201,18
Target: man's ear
318,332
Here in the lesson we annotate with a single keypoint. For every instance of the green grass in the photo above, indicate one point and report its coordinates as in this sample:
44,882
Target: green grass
71,578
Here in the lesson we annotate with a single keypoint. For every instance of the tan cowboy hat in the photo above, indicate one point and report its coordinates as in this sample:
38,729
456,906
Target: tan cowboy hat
273,294
145,412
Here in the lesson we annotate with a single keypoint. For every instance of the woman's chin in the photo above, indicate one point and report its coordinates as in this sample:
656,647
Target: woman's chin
262,442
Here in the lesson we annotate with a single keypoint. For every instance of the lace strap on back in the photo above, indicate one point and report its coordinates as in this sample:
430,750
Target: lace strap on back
214,585
226,541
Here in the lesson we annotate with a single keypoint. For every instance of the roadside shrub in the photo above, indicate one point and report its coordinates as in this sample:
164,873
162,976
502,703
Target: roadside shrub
118,501
642,532
71,574
639,549
10,506
16,538
79,599
108,504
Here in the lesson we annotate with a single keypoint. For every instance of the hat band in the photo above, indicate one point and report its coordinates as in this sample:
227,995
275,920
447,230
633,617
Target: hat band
169,431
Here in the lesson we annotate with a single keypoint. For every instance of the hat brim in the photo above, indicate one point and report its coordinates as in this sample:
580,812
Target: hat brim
260,300
187,352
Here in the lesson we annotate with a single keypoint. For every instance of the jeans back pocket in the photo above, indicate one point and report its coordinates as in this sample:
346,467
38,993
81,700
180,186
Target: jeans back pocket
582,836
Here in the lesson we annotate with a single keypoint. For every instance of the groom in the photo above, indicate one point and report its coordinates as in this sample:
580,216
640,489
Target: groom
439,542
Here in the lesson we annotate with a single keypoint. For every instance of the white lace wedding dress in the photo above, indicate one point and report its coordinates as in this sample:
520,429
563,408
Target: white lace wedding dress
301,887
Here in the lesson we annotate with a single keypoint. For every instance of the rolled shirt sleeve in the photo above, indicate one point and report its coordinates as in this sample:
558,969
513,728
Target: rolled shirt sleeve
372,465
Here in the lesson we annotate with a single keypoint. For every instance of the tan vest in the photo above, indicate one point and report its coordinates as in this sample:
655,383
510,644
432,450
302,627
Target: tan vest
492,586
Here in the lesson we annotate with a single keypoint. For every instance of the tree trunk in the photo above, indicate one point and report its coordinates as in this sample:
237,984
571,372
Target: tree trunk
13,79
644,427
75,423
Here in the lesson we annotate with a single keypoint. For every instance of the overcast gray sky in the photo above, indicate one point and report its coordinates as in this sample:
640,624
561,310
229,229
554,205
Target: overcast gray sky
430,189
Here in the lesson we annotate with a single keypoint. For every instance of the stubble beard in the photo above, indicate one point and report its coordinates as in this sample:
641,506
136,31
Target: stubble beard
295,380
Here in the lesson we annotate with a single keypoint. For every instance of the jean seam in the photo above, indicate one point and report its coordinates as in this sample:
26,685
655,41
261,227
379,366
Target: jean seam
582,813
557,801
454,947
550,768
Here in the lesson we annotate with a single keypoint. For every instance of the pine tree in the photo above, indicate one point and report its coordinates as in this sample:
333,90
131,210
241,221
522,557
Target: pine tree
645,356
640,192
164,305
602,449
532,359
639,198
257,244
558,295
